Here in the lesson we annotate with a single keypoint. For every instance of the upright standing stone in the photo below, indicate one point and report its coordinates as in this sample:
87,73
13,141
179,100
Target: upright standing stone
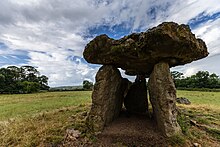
126,84
136,98
107,98
163,99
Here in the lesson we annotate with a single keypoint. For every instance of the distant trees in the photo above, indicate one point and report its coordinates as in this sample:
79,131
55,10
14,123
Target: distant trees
24,79
87,85
202,79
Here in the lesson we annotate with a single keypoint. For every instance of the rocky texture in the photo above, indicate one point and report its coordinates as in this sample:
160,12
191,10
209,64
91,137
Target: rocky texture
107,98
149,53
136,98
163,99
183,100
126,84
139,52
72,135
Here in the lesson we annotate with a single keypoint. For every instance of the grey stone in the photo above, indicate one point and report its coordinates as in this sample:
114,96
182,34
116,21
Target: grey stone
139,52
126,84
163,99
136,98
183,100
107,98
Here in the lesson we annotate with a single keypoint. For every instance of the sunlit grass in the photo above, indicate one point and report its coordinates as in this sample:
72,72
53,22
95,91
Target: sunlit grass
202,100
41,119
44,129
205,111
23,105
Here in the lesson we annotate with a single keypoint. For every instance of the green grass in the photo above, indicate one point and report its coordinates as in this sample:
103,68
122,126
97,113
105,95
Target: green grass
209,100
205,111
24,105
45,129
41,119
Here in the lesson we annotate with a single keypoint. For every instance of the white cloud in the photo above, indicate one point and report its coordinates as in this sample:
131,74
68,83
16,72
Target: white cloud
184,10
26,2
61,71
209,32
47,29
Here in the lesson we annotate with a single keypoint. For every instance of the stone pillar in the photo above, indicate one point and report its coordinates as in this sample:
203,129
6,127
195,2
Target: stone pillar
136,98
162,93
107,98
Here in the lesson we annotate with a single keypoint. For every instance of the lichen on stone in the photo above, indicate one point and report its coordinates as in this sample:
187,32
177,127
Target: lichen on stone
143,50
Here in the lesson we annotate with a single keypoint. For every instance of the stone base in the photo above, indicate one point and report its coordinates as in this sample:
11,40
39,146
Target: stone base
163,99
136,98
107,98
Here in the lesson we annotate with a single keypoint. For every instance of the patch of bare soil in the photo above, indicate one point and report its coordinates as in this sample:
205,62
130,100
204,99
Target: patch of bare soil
135,130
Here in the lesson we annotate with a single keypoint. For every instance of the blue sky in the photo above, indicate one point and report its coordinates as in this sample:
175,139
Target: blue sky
51,34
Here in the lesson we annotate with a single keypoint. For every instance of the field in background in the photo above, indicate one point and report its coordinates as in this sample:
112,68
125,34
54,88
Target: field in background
200,121
22,105
201,99
42,118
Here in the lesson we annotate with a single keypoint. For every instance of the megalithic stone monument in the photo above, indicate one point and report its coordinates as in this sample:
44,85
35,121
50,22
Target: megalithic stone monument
151,54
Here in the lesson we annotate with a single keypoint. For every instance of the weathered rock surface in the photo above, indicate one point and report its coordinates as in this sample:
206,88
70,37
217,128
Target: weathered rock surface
139,52
145,54
126,84
183,100
163,99
107,98
136,98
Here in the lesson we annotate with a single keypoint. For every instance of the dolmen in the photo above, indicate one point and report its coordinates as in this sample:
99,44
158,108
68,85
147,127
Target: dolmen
148,54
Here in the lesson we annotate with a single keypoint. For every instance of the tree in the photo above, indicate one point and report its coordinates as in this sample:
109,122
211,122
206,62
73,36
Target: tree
29,87
214,81
177,78
15,72
30,73
202,79
2,83
177,75
24,79
87,85
43,81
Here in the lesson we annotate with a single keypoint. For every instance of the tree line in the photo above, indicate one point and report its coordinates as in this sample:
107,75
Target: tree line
86,86
202,79
24,79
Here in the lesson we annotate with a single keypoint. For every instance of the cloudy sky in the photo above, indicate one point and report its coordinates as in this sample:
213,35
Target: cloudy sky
51,34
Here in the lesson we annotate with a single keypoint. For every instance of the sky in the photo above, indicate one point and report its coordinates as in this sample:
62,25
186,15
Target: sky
51,34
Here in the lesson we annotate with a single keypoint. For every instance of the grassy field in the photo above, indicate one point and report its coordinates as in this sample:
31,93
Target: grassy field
22,105
200,99
42,119
204,111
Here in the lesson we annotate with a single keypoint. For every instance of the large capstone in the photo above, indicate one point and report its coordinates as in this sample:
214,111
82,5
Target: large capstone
149,54
136,99
163,99
139,52
107,98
